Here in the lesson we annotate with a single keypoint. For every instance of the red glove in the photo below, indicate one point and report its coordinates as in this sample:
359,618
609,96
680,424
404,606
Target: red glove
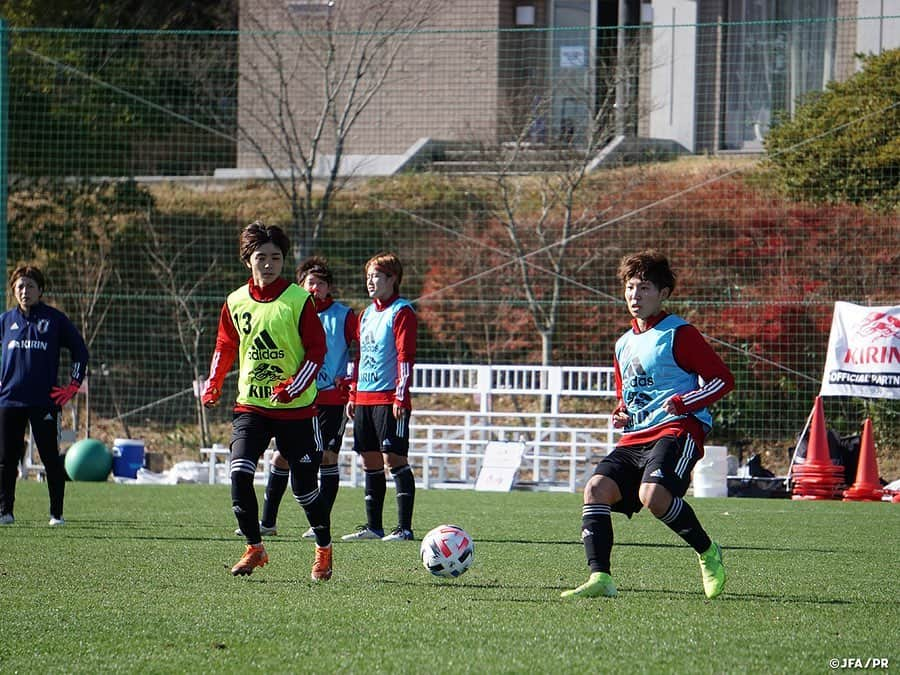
62,395
210,395
282,394
343,383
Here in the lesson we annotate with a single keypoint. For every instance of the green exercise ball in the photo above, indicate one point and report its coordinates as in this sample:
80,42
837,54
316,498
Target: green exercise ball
89,460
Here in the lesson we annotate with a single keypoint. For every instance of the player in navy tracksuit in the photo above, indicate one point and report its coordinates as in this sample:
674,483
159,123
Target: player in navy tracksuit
32,335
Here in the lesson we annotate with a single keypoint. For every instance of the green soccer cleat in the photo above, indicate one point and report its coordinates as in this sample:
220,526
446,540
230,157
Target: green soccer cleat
599,584
713,571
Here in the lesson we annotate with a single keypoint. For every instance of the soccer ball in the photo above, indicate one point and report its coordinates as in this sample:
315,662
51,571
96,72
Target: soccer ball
447,551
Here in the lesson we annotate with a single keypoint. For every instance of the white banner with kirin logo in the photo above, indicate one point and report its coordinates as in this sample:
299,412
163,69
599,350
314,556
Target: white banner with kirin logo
863,352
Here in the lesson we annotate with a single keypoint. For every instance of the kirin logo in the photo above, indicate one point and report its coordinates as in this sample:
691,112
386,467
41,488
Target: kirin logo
879,324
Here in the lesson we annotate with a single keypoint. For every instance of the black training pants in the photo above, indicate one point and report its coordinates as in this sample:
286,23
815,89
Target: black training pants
44,427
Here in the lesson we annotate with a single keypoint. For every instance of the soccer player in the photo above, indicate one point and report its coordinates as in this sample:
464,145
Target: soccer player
333,384
380,403
667,376
270,325
32,334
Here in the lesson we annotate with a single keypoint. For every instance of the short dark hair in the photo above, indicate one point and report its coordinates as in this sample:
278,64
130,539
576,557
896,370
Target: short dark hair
258,233
318,267
650,266
29,271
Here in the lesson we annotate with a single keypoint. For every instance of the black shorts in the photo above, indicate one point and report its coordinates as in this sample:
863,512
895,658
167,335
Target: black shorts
296,440
375,428
668,462
332,421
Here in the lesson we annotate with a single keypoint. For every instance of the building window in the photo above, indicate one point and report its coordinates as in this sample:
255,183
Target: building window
309,7
776,52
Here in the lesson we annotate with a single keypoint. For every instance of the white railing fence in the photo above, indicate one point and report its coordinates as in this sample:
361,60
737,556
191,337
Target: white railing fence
485,382
447,446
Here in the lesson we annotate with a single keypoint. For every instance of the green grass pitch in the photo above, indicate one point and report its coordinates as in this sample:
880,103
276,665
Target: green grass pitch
138,581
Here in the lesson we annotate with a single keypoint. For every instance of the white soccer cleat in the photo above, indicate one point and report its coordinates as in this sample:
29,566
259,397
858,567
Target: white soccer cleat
398,534
263,530
362,533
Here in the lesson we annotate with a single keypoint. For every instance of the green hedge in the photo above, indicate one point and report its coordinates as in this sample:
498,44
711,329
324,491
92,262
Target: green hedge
842,145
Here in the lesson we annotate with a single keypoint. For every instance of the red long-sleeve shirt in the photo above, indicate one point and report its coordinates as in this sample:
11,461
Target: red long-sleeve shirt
311,335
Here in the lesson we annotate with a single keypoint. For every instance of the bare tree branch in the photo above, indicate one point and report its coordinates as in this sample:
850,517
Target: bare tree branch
181,291
562,211
306,76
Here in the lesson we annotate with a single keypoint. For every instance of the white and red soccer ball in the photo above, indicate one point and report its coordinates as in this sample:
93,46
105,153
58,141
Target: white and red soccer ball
447,551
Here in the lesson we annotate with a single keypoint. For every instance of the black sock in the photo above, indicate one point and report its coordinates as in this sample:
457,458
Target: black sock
317,514
405,482
245,506
56,486
682,520
329,482
376,486
597,536
305,486
275,487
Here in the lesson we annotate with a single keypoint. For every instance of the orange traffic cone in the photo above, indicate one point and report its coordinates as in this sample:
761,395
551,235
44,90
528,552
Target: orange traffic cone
867,487
817,477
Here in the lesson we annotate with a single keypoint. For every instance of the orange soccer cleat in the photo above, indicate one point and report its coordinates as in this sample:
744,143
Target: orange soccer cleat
254,556
321,570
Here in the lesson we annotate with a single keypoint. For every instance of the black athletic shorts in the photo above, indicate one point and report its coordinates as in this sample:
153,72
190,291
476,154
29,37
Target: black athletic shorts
375,427
295,439
668,461
332,421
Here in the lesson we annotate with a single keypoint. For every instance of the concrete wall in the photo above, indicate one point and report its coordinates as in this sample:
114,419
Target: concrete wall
874,36
444,84
673,71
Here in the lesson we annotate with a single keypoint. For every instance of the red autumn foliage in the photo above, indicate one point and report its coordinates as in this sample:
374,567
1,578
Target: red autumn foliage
754,270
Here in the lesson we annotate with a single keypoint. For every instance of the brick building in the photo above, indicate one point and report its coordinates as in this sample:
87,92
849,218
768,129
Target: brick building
703,75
